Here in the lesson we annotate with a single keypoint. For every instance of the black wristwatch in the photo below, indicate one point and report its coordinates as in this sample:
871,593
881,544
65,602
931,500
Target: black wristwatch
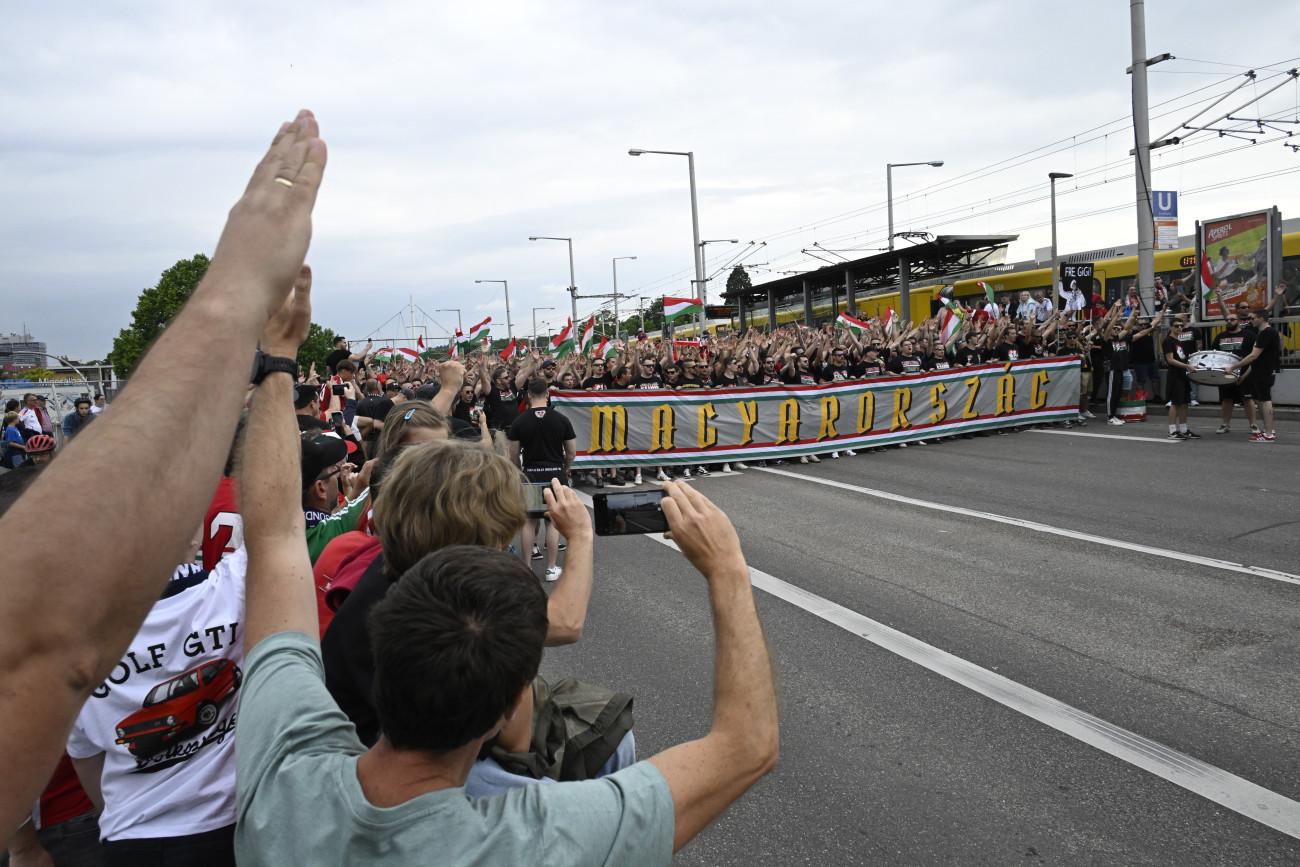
264,365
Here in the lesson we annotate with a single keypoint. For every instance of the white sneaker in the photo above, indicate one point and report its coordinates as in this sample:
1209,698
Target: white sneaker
637,480
803,459
1254,429
835,455
1088,414
741,466
1115,421
1223,429
814,459
726,468
686,473
850,453
1196,403
662,476
554,573
921,442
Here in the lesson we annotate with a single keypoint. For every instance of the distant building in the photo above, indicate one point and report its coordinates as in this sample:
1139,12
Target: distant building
21,350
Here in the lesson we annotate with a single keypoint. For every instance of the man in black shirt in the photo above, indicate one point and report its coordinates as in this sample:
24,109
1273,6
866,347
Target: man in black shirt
373,409
871,366
1239,342
1263,361
546,443
341,352
1175,348
906,362
969,353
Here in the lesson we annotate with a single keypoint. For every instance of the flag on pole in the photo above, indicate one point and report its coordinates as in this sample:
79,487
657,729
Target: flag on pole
409,353
419,343
988,290
480,331
1207,278
509,350
588,335
674,307
383,356
562,343
606,349
857,326
891,321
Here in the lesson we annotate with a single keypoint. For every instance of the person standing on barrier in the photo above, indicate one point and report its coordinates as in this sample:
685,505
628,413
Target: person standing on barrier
1263,361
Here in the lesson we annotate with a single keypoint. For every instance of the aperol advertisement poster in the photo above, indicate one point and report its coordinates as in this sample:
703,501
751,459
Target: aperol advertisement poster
1239,254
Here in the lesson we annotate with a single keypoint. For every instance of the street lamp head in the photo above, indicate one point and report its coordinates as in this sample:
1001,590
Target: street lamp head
1056,176
935,163
635,152
532,238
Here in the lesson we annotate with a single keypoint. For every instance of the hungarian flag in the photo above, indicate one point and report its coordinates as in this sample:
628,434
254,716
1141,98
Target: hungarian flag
606,349
419,343
588,335
988,291
409,353
562,343
383,356
950,323
674,307
509,350
1207,278
857,326
480,331
677,343
891,321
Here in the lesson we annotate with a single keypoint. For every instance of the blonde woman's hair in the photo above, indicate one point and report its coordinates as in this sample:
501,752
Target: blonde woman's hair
10,417
447,492
406,415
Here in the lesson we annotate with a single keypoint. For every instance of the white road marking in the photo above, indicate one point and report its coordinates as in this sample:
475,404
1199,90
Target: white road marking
1180,556
1212,783
1075,433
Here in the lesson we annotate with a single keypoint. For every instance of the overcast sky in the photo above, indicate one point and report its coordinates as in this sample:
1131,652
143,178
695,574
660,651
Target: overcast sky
456,130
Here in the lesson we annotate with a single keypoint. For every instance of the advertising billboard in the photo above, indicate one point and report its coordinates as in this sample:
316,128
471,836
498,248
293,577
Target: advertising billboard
1240,258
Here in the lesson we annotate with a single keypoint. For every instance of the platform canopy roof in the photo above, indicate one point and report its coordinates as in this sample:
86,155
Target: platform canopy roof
944,256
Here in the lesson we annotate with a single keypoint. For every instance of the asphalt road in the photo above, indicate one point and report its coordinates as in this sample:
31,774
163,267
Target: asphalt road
1139,581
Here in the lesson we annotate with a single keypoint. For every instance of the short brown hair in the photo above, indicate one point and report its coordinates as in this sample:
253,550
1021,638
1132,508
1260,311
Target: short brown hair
447,492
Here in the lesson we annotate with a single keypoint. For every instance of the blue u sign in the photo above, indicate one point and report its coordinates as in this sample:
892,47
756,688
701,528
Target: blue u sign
1164,203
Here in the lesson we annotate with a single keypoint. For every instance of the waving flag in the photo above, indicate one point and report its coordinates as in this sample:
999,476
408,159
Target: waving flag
409,353
1207,278
606,349
419,343
988,291
382,356
480,331
857,326
951,322
891,321
674,307
588,335
562,343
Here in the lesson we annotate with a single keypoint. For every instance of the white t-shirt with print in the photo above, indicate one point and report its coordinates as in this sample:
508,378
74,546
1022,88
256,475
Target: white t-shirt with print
165,717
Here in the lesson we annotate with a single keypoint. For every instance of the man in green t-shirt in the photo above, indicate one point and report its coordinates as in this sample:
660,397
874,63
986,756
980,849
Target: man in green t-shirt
457,642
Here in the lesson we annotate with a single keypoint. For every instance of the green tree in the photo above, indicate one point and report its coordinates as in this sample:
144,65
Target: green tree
738,280
319,343
154,309
36,374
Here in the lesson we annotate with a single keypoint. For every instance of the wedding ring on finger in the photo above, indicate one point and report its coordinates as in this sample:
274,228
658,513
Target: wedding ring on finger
285,181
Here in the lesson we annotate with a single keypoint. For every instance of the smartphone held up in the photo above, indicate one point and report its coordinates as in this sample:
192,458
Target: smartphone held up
629,513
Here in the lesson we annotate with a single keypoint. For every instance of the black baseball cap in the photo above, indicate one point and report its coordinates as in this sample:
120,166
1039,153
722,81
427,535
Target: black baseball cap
320,451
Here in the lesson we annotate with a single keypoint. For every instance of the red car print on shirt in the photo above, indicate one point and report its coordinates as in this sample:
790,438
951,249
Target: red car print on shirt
189,702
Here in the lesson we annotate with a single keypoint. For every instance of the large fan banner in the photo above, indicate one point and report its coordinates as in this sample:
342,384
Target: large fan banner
660,427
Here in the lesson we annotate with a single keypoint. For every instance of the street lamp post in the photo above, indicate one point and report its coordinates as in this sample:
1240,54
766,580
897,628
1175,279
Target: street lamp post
904,292
1053,177
460,325
698,250
614,263
510,331
535,309
573,283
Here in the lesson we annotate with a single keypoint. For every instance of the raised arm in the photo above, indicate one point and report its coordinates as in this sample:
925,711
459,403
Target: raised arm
705,776
280,595
52,656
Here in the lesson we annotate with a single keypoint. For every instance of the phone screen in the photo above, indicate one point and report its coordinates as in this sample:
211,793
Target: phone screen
338,389
630,513
336,418
534,502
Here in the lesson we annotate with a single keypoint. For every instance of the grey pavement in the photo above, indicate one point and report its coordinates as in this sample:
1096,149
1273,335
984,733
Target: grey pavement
886,762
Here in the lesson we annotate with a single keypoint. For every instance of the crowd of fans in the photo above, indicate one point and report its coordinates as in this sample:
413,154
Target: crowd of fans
350,675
